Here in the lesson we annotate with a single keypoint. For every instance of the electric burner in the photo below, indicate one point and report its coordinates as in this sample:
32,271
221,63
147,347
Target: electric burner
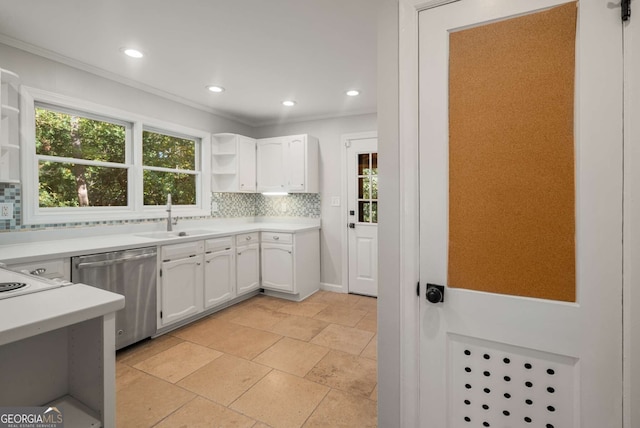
8,286
15,284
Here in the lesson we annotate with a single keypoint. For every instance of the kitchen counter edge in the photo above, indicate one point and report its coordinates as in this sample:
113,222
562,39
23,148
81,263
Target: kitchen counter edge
44,250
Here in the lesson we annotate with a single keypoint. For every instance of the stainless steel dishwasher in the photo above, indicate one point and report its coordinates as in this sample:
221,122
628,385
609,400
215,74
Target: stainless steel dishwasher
131,273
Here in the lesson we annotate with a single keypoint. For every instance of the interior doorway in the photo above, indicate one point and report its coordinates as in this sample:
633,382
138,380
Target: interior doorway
361,216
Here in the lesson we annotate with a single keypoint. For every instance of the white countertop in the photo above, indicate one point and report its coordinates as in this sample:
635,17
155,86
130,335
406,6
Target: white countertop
36,313
37,250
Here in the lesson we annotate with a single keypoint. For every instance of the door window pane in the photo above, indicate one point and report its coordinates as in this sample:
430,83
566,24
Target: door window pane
364,188
364,212
374,187
367,188
363,164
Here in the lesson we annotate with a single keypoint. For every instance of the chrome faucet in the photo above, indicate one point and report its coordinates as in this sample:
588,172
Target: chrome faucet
169,222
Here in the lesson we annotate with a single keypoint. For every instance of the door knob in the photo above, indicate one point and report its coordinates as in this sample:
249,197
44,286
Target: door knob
435,293
352,225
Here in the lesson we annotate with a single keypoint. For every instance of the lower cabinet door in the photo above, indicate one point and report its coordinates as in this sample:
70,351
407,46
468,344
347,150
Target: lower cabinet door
277,267
247,268
181,285
219,277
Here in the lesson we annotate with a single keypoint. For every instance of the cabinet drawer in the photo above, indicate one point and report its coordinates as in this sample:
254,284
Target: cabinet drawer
277,237
58,268
247,238
178,251
218,244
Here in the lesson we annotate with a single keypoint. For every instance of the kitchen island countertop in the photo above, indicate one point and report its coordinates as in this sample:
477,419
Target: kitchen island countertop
56,308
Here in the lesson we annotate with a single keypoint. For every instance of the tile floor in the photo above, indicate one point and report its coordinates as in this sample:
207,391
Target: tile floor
264,362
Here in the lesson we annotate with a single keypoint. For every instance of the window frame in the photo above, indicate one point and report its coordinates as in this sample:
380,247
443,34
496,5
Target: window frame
32,213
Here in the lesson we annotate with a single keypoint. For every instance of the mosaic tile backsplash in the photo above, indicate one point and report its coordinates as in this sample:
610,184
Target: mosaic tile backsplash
228,205
258,205
10,193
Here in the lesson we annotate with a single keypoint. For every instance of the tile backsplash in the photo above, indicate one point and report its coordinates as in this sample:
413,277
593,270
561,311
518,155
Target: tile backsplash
228,205
258,205
293,205
10,193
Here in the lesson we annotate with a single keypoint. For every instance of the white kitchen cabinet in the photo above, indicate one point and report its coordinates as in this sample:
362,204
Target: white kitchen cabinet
181,282
233,163
288,164
277,266
270,165
290,264
219,271
9,131
247,263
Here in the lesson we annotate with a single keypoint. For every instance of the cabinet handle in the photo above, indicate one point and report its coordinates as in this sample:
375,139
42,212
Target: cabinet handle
248,238
197,264
242,185
227,248
275,238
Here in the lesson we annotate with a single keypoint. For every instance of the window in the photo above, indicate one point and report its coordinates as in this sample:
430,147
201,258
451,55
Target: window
368,187
85,162
82,161
169,167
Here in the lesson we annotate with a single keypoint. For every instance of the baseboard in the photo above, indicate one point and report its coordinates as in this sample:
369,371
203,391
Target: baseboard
336,288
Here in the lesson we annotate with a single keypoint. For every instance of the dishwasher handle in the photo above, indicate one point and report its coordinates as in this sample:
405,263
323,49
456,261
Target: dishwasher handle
114,261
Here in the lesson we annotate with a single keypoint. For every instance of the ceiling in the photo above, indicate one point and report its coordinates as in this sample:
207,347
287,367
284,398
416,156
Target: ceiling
261,51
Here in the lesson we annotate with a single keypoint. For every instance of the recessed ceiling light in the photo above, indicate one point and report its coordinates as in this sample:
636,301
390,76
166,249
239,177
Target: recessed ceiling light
214,88
289,103
353,93
133,53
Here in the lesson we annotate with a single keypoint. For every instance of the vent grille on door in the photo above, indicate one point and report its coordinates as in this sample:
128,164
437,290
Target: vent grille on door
497,385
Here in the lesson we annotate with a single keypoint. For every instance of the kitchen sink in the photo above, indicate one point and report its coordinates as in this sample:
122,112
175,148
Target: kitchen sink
176,233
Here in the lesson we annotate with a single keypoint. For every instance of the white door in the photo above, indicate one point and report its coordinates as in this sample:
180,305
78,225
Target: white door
501,359
362,189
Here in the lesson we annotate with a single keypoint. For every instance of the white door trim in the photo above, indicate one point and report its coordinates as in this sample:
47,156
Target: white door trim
409,208
631,230
344,140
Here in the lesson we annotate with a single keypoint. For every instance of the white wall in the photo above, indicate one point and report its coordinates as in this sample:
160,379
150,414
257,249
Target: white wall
328,132
43,73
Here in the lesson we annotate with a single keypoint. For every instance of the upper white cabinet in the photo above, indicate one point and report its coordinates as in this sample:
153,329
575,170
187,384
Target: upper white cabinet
288,164
9,130
233,163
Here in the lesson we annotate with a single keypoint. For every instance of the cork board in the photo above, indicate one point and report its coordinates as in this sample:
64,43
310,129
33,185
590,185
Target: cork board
511,156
